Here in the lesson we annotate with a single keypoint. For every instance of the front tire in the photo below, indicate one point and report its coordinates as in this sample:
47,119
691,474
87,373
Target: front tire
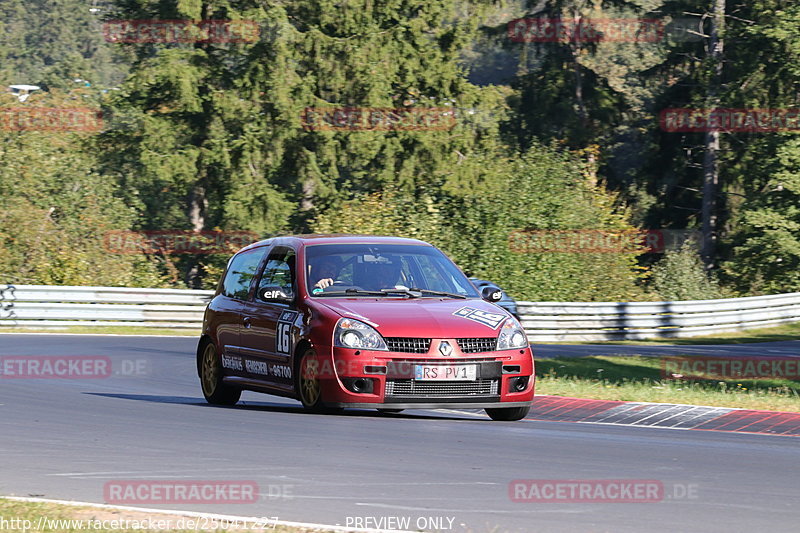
214,390
309,388
508,414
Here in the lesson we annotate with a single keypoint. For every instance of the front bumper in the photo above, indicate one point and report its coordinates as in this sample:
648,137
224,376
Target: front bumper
432,405
392,382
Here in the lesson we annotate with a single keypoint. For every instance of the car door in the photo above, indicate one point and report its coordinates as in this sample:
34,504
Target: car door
237,283
268,334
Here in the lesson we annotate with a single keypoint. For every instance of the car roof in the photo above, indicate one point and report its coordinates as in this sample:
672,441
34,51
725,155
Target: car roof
337,238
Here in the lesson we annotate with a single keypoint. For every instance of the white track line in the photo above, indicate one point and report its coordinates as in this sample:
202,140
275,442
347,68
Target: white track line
194,514
98,334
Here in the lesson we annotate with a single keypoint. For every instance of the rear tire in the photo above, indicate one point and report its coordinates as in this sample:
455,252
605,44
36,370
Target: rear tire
508,414
215,391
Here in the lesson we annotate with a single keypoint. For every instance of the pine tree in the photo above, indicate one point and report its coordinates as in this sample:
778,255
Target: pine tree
764,255
54,42
220,142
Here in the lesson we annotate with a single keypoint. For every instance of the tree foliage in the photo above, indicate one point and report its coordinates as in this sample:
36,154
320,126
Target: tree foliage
549,136
55,211
56,42
489,201
680,275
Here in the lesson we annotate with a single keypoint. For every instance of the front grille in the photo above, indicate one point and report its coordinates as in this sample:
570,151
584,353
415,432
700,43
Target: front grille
428,361
477,345
408,344
410,387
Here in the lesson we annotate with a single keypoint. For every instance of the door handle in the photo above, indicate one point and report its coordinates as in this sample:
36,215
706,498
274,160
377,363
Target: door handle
246,321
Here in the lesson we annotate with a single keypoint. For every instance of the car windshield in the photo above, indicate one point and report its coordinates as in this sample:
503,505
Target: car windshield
383,269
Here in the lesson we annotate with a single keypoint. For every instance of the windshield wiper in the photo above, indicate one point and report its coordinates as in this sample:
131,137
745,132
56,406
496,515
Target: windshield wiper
411,293
439,293
350,292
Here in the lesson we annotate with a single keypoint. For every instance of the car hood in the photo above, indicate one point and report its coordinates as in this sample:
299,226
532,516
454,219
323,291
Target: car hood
423,317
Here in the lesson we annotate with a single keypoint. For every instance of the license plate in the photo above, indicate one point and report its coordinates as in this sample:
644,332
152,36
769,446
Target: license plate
445,373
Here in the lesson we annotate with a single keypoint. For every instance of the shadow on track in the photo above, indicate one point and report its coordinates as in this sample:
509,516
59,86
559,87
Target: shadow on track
268,407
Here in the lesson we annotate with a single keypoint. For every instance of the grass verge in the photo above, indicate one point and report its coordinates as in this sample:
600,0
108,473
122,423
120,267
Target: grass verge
786,332
51,517
639,379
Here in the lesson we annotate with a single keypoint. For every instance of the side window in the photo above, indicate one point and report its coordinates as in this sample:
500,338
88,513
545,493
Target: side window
279,270
241,272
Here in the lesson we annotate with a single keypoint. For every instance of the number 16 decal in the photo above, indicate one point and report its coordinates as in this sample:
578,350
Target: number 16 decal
283,341
283,333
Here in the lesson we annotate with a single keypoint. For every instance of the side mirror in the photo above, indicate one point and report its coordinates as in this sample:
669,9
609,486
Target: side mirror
492,293
275,293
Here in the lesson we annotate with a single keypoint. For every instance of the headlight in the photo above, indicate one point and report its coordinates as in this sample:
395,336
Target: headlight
511,336
351,333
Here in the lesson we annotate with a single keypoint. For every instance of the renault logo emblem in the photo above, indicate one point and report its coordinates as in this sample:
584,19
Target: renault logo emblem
445,348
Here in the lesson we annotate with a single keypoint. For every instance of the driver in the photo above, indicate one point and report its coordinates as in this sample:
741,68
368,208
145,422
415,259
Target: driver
323,271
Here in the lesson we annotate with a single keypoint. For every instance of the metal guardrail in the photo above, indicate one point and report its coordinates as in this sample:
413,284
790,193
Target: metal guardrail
596,321
40,306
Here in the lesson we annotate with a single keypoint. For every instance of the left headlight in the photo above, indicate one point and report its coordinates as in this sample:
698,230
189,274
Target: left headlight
352,333
511,336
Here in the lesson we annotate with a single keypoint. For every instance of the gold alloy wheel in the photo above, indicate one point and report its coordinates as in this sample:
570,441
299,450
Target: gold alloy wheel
309,379
209,371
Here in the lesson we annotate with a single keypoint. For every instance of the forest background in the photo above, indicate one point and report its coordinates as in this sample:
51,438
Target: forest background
535,136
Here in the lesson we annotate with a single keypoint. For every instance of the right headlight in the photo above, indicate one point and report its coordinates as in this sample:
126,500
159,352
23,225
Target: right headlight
511,336
352,333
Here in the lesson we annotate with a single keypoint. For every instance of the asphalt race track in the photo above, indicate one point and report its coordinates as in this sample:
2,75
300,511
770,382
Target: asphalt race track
65,439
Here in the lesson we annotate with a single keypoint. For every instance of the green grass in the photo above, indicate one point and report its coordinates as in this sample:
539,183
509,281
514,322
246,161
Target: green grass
786,332
104,330
639,379
34,511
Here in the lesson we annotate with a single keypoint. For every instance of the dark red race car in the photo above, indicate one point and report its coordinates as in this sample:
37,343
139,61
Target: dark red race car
359,321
